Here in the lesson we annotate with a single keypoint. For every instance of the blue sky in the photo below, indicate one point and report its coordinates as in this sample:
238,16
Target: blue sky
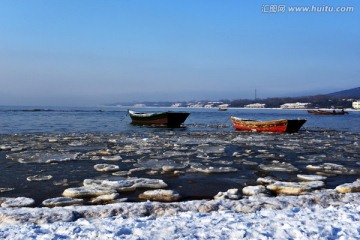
88,52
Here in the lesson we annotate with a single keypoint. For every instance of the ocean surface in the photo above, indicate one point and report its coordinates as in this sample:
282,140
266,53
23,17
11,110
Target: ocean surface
115,119
66,142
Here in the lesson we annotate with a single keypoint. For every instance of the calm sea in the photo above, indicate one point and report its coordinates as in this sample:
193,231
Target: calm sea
115,119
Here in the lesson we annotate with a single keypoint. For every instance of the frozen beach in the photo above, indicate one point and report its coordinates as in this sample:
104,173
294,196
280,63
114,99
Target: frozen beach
322,215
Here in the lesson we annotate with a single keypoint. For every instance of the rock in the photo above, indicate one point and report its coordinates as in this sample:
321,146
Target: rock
106,168
62,201
18,202
349,187
253,190
232,194
160,195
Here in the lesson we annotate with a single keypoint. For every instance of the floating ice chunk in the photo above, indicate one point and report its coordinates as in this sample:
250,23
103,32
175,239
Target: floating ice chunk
294,188
18,202
42,157
121,173
111,158
39,178
17,149
77,143
232,194
6,189
63,182
236,154
266,180
155,164
129,184
105,198
349,187
211,149
84,192
160,195
253,190
62,201
245,162
106,168
331,168
277,166
204,169
5,147
311,177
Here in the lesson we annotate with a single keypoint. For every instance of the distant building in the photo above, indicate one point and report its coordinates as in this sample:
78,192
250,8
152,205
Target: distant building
208,106
297,105
356,104
195,105
176,105
139,105
255,105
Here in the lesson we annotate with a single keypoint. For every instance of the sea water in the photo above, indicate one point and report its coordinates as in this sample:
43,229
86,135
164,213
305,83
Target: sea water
61,142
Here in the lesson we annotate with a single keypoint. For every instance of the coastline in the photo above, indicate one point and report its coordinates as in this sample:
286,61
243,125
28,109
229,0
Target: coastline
323,214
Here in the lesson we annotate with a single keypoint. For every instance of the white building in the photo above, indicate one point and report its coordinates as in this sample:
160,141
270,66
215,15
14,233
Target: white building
175,105
297,105
255,105
356,104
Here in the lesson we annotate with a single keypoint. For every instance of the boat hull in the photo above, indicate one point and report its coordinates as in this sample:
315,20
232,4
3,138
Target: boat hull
282,125
161,119
323,112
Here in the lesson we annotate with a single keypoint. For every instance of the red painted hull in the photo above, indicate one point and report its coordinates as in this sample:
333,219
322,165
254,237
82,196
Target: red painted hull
282,125
323,112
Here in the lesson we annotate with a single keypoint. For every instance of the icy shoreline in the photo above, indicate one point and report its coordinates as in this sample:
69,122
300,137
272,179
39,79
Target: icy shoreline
323,214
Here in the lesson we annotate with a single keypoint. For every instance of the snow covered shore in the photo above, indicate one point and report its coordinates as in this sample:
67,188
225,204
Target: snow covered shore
324,214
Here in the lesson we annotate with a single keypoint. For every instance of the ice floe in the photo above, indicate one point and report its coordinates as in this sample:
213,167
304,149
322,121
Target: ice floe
254,190
18,202
39,178
277,166
106,167
349,187
232,194
160,195
62,201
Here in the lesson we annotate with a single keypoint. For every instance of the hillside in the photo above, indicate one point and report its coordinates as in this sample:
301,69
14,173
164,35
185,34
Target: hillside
350,93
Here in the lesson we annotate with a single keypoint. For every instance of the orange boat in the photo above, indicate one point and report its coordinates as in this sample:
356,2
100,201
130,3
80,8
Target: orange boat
282,125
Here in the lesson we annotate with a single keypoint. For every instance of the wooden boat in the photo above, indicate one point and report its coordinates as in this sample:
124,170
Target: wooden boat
159,119
282,125
325,112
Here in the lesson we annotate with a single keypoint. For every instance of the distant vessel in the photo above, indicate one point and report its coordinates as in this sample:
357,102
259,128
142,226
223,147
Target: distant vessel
223,107
325,112
282,125
159,119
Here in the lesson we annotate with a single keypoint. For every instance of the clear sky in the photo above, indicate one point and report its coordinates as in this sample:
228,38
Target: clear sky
86,52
